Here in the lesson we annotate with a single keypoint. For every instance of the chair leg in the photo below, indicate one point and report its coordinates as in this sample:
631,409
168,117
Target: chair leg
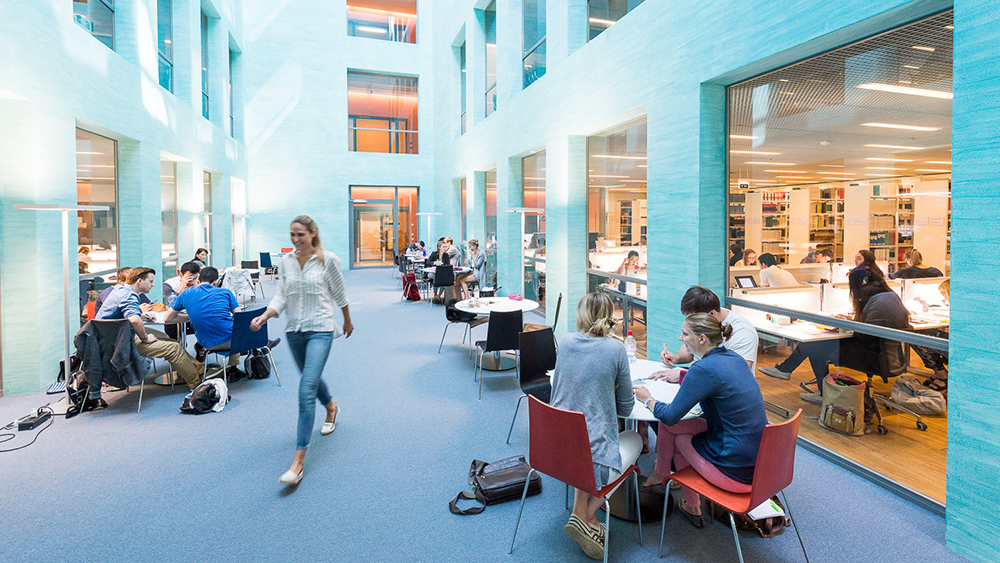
607,528
142,383
663,521
524,495
794,527
515,417
638,510
736,537
443,335
480,383
274,368
567,497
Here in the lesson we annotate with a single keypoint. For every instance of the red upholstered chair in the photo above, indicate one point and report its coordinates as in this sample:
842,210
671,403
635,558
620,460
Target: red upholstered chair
772,474
91,313
286,250
560,448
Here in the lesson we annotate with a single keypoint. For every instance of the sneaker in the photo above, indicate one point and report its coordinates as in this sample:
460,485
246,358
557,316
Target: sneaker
776,373
814,398
588,539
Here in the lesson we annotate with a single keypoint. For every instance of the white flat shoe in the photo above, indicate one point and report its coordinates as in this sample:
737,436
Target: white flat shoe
329,427
291,478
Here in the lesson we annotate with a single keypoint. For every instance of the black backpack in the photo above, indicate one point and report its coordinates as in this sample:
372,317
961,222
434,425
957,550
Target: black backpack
257,365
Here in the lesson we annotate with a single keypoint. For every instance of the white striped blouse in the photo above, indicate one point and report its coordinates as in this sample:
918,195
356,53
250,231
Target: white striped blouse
308,294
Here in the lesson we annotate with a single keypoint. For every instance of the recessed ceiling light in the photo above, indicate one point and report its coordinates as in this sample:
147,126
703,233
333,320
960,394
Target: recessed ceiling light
794,177
900,147
929,170
832,166
606,176
742,137
88,152
601,22
640,165
907,90
792,171
949,27
899,126
756,152
880,168
938,161
841,173
618,156
782,80
97,165
824,178
923,48
770,163
889,159
911,66
634,181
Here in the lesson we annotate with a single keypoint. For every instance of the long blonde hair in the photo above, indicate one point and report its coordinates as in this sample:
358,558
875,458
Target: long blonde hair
310,225
594,315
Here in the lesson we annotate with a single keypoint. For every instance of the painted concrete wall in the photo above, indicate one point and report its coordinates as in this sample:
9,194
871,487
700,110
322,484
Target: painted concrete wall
296,63
57,77
671,62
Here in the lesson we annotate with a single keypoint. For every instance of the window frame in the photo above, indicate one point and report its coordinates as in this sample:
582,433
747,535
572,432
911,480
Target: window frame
166,58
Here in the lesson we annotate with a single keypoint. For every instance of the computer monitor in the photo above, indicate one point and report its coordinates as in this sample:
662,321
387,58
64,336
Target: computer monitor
744,282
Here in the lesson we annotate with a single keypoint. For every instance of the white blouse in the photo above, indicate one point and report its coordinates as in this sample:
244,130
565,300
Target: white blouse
308,293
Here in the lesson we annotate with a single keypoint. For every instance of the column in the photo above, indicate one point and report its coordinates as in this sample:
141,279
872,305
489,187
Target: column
566,227
140,233
509,236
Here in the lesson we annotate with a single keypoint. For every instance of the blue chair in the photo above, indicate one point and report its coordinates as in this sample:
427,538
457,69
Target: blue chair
244,340
266,265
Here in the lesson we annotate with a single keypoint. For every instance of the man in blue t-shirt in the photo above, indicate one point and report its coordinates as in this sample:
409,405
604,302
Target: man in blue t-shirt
210,309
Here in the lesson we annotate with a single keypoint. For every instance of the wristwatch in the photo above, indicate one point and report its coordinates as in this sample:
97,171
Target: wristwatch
646,403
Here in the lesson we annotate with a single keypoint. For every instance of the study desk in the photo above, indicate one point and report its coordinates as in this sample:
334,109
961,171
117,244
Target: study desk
630,302
487,305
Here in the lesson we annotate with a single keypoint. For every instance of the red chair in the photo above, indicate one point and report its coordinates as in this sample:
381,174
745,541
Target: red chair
772,473
560,448
91,313
286,250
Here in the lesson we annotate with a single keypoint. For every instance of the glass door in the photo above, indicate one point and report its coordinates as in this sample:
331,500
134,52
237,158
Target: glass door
372,234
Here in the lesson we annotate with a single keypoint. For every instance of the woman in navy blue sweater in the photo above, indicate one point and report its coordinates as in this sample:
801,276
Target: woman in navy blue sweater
722,443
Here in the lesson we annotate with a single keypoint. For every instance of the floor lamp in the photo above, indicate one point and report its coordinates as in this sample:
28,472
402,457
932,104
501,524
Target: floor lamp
65,240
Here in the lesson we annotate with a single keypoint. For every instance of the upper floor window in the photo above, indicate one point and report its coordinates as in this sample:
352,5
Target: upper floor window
97,184
390,20
204,65
164,43
461,56
534,41
97,17
604,13
491,57
382,113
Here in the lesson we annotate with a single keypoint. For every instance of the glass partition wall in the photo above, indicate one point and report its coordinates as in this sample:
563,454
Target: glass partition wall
382,113
837,163
491,228
388,20
383,222
533,237
97,184
616,223
168,217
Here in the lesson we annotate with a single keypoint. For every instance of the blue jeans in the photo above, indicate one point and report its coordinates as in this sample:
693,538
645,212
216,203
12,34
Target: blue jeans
310,351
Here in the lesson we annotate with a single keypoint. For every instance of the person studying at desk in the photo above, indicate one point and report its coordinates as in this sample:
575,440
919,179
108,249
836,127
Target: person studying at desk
722,443
123,303
773,276
744,337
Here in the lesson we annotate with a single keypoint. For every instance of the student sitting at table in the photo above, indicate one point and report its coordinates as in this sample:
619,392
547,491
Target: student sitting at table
123,303
818,257
722,443
773,276
592,376
874,303
477,262
453,253
121,278
865,259
916,268
210,309
744,337
735,254
187,276
749,258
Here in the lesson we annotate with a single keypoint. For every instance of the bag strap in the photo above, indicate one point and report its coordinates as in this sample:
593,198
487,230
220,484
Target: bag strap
468,495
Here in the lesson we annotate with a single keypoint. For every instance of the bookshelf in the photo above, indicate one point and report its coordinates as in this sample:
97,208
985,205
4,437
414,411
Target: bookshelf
767,222
632,222
826,219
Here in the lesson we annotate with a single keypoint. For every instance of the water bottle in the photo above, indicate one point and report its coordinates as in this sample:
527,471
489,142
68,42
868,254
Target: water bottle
630,346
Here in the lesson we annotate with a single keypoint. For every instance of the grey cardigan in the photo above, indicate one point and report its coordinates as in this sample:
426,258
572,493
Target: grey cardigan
587,370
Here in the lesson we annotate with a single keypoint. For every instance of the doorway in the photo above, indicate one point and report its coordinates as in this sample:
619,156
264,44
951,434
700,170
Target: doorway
383,223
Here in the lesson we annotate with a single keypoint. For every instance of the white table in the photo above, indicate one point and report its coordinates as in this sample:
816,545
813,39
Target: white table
159,318
432,269
799,331
487,305
642,369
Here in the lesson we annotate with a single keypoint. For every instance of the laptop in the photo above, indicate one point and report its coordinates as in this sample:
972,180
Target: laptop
744,282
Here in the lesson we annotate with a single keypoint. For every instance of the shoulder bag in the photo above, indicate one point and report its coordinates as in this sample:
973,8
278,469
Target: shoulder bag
497,482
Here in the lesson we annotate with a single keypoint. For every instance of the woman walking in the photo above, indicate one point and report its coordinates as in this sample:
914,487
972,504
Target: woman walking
309,283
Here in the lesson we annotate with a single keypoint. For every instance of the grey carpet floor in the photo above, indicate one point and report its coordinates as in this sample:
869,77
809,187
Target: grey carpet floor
115,485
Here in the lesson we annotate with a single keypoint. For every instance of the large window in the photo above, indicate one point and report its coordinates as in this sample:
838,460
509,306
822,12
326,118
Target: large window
461,55
533,237
465,222
534,41
604,13
616,223
98,18
97,184
206,227
491,58
382,113
829,159
491,228
164,43
204,65
384,221
232,97
391,20
168,216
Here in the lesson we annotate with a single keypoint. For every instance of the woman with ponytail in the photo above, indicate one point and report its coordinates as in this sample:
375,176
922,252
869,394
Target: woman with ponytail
592,376
309,283
722,443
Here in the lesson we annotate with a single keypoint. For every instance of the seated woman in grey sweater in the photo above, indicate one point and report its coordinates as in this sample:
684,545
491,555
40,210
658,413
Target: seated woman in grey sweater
592,376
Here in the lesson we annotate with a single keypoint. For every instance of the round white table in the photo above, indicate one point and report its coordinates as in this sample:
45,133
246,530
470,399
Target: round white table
642,369
432,269
487,305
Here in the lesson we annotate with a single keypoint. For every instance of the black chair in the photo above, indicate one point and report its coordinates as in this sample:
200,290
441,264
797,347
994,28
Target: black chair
254,278
444,276
505,326
454,316
538,356
891,363
528,327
